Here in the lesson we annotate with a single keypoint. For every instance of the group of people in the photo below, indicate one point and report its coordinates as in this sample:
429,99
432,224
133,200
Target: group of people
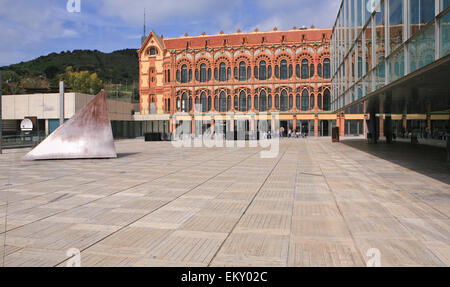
292,133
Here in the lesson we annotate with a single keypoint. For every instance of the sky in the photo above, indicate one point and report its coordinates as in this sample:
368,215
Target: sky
33,28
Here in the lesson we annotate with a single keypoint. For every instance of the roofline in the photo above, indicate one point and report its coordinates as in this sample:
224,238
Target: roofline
244,33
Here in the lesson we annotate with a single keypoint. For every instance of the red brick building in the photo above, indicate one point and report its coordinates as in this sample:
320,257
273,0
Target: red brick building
248,73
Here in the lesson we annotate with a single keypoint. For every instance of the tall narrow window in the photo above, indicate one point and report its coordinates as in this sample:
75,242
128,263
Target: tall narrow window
283,70
269,72
256,102
262,70
203,78
184,103
209,74
319,70
277,102
203,102
269,102
242,71
209,103
311,101
319,101
222,72
291,101
223,102
305,100
311,70
297,102
263,101
284,101
277,72
190,104
242,101
184,74
326,68
297,71
229,103
290,71
326,100
249,102
228,74
305,69
236,103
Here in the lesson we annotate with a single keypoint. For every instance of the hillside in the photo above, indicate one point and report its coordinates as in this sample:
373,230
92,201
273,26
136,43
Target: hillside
118,67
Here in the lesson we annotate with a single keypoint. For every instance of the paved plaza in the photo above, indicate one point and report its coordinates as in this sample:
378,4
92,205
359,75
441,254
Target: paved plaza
315,204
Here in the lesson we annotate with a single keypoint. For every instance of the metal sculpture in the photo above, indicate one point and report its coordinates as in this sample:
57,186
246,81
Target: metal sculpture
88,134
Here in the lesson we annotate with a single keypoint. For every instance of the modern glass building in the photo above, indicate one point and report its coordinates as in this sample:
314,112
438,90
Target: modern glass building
390,59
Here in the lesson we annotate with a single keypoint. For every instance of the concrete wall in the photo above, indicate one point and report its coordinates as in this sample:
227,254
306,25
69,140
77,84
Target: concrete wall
46,106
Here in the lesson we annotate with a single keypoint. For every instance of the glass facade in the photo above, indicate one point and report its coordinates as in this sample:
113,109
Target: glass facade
377,42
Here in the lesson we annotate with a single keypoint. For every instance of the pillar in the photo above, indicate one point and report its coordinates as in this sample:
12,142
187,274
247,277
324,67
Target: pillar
294,123
316,126
212,126
373,128
381,126
342,126
388,129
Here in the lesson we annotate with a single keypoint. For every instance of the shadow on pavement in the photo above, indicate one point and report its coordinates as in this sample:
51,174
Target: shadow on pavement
424,159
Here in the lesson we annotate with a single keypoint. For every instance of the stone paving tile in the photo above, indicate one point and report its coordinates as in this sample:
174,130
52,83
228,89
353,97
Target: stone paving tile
315,204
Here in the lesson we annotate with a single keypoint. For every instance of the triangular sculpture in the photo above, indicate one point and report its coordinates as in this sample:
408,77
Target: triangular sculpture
87,134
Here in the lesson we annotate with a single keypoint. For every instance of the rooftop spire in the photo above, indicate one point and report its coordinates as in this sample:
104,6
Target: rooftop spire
145,29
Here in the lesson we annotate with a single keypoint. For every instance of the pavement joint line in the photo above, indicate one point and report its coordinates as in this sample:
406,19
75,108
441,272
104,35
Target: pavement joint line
127,225
92,200
340,212
292,210
248,206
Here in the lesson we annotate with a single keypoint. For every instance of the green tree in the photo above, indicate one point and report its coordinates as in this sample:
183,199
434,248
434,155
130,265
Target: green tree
82,82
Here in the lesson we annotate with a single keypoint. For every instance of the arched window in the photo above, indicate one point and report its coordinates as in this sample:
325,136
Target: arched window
203,102
255,74
249,102
319,70
184,74
168,105
283,70
223,102
178,104
311,70
326,100
203,78
269,102
242,71
305,100
216,103
290,71
284,101
305,69
249,73
222,72
228,73
263,101
291,101
236,103
209,74
277,102
190,104
311,101
297,101
277,72
319,101
262,71
190,75
297,71
229,103
196,75
326,68
178,76
184,103
152,51
242,101
269,72
256,102
209,103
196,107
